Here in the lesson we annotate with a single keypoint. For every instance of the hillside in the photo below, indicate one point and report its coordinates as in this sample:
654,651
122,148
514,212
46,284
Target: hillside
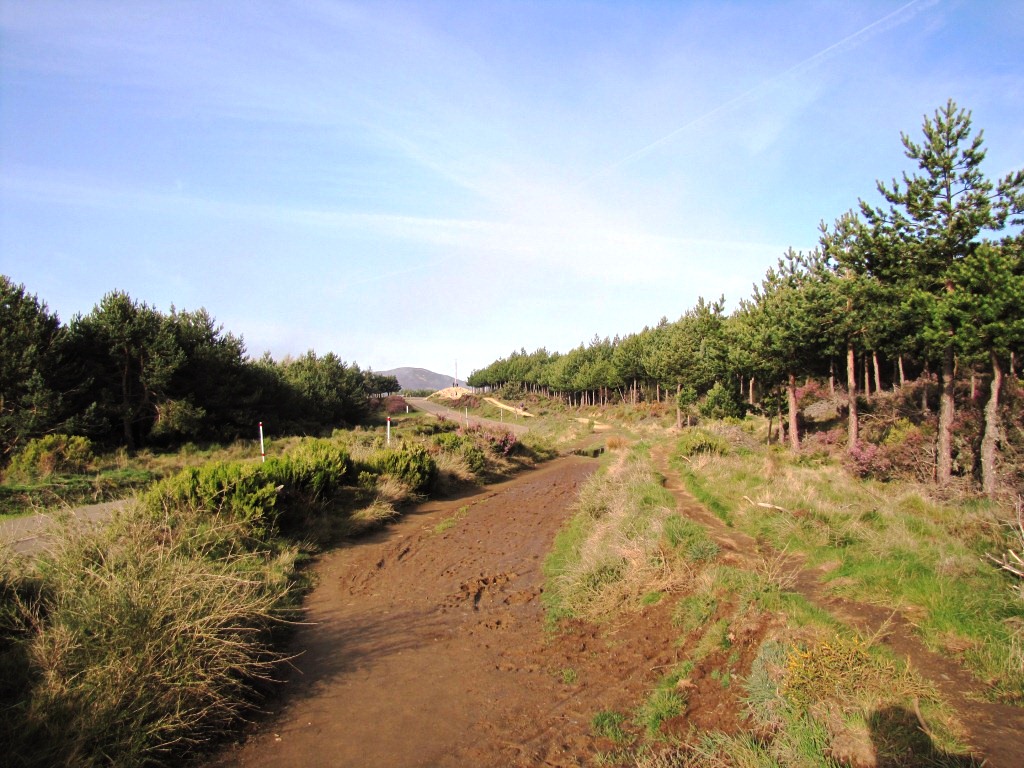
420,378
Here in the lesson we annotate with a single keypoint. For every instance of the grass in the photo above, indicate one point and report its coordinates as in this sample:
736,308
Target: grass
884,543
815,693
611,553
127,647
609,725
60,490
451,521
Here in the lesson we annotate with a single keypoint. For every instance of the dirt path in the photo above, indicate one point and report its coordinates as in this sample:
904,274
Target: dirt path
429,406
996,730
512,408
427,645
31,534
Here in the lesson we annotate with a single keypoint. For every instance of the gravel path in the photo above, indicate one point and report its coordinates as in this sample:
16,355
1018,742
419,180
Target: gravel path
31,534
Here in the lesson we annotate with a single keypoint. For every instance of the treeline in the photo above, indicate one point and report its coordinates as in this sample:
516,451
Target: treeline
922,288
129,375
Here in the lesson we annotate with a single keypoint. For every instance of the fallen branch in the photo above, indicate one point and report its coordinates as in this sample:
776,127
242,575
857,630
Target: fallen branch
765,505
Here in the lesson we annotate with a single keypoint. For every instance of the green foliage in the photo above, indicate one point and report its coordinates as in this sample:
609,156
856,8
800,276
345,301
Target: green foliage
693,442
410,464
49,455
313,472
720,403
690,538
31,350
235,492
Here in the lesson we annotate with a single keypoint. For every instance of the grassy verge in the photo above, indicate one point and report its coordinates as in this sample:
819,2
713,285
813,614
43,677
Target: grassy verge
887,544
804,689
610,554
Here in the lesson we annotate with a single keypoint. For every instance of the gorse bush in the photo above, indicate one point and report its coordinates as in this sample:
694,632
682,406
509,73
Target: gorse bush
696,441
52,454
235,492
411,464
311,473
258,497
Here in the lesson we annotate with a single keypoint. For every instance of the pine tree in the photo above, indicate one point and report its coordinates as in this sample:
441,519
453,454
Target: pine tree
934,220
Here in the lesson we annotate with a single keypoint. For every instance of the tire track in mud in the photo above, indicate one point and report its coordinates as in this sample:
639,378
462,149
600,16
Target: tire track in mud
426,645
996,731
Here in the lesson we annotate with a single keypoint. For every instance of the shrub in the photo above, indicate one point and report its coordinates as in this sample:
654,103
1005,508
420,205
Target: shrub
52,454
503,444
313,472
449,441
695,441
412,465
237,493
720,403
133,649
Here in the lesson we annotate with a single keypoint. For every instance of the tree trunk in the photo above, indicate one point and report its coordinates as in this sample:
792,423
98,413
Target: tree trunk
878,373
782,425
990,441
794,434
974,384
926,378
832,377
679,411
867,377
851,397
126,409
752,399
903,376
947,411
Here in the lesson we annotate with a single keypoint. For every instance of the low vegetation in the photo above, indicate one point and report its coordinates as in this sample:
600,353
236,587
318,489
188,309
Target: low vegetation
133,643
805,689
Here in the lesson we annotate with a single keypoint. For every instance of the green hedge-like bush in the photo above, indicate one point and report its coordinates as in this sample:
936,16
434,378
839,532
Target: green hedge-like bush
237,493
256,496
313,472
52,454
412,465
449,441
694,441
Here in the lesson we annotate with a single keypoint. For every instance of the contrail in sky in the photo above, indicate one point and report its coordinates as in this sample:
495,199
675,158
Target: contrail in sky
807,63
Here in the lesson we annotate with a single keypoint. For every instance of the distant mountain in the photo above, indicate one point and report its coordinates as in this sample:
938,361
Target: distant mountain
420,378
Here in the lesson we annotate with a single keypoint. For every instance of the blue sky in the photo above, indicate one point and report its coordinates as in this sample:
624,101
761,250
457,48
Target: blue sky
420,183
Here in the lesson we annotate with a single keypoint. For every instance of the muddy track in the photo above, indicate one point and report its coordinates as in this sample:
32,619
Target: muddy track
996,730
426,645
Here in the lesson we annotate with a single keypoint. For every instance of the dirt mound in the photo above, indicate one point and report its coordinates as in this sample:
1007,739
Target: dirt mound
451,393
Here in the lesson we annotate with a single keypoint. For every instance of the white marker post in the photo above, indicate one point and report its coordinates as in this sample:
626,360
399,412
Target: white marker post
263,453
389,431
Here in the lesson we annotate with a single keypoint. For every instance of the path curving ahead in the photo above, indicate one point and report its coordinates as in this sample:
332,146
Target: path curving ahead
431,406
